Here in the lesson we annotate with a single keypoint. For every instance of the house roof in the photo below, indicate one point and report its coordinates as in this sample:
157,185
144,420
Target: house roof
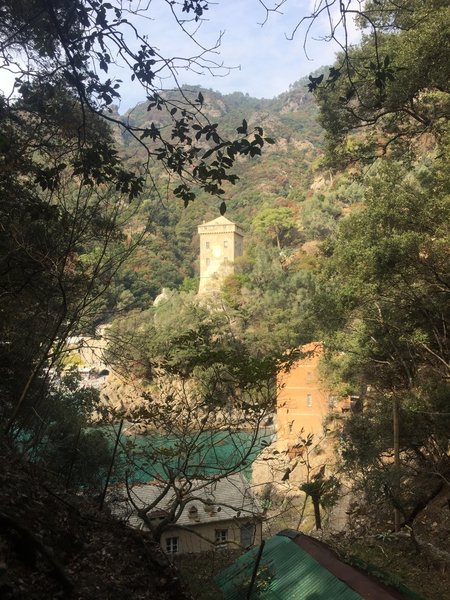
221,500
297,566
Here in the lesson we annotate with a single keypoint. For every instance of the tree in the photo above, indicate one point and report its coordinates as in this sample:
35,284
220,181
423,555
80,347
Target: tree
62,440
390,92
207,398
383,306
61,249
63,242
322,490
319,216
71,47
268,299
278,223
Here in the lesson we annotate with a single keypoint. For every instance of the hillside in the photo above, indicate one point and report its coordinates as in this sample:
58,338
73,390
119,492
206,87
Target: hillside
291,119
346,242
284,176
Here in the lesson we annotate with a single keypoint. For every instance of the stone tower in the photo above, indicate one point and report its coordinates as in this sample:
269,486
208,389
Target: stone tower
221,242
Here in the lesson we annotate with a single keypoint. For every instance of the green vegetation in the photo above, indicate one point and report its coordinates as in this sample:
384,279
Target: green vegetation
394,84
207,397
382,294
347,242
384,302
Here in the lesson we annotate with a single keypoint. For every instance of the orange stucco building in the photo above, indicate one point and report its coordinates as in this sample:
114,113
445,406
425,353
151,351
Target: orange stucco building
303,401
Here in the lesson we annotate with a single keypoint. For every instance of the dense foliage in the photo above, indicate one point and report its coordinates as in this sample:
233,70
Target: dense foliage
383,290
384,302
395,83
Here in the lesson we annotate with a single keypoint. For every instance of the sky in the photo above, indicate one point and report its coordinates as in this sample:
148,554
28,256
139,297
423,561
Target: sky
263,61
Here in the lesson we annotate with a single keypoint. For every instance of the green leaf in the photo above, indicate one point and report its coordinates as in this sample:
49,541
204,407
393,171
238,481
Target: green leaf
244,127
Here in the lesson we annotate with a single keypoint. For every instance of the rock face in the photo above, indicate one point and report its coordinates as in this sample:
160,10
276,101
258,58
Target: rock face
121,396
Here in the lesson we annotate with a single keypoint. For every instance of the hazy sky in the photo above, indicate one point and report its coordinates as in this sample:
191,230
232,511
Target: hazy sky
265,62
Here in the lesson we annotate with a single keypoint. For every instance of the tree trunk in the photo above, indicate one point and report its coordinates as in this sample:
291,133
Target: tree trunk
396,435
317,516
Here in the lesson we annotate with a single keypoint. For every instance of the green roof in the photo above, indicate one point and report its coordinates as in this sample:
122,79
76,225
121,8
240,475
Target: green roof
286,572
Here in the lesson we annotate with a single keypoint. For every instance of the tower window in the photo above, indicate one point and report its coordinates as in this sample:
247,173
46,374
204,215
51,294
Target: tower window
207,245
207,262
225,243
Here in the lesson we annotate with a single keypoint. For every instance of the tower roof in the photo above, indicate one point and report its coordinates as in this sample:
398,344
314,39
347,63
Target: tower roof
219,222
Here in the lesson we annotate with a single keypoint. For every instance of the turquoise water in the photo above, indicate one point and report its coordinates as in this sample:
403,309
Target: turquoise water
146,457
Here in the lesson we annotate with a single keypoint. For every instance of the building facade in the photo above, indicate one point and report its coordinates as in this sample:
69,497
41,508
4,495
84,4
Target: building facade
221,242
303,401
223,513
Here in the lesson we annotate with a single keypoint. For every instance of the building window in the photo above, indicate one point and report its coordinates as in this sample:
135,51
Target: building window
172,545
308,400
221,536
207,262
332,401
193,512
248,532
225,243
207,245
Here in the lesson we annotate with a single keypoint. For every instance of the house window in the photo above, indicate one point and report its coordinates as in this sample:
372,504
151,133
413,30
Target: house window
248,534
221,536
308,400
172,545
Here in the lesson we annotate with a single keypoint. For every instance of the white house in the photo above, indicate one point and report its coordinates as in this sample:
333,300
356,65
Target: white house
217,514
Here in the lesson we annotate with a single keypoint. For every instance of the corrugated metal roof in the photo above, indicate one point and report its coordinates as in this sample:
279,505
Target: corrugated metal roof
360,580
286,572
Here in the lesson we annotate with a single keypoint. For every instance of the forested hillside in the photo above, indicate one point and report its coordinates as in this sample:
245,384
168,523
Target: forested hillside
281,178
